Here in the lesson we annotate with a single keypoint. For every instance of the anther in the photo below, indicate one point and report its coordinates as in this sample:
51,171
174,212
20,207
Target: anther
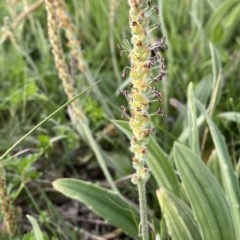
150,63
153,27
158,95
124,72
144,151
149,3
134,139
120,48
159,77
152,10
138,43
125,93
147,132
124,112
160,112
124,48
134,24
136,3
160,45
163,63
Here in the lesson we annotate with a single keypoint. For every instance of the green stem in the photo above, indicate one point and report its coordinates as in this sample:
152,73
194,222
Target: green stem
143,208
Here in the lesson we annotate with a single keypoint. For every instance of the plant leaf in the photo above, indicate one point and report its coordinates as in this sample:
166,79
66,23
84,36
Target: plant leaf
109,205
179,217
213,165
230,182
220,18
230,116
36,229
192,122
207,198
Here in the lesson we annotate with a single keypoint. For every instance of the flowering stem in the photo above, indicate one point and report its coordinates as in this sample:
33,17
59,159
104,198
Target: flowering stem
143,58
139,103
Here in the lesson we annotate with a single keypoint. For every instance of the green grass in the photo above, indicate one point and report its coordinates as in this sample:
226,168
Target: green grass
31,91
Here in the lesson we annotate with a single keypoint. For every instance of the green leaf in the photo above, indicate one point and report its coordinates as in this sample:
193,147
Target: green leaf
230,182
158,161
231,22
109,205
220,19
207,198
217,78
192,122
213,164
36,229
230,116
185,133
28,236
179,217
202,89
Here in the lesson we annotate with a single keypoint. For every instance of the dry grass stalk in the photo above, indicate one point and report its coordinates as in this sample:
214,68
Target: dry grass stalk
6,206
73,43
53,32
64,22
21,17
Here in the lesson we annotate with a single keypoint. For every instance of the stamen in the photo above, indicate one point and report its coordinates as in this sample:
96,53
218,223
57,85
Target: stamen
124,71
149,3
153,27
152,10
160,112
124,112
159,77
124,48
159,45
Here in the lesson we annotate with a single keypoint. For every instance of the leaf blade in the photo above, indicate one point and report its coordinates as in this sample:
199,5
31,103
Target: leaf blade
108,204
179,217
36,229
205,194
230,183
192,122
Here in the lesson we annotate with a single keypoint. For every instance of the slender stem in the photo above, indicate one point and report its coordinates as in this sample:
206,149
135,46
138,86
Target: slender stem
143,208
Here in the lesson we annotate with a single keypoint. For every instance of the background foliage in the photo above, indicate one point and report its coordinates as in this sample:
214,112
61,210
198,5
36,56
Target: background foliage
203,39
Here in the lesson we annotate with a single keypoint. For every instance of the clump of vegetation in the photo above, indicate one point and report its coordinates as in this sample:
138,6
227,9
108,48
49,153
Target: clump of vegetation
65,166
